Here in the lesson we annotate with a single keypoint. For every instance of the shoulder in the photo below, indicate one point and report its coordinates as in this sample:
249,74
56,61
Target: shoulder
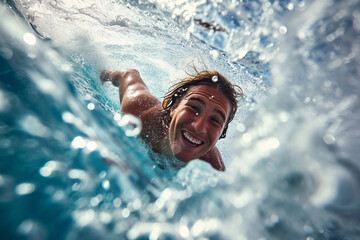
214,158
139,101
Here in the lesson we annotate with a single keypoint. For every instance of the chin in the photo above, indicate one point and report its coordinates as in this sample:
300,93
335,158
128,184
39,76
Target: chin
185,158
184,155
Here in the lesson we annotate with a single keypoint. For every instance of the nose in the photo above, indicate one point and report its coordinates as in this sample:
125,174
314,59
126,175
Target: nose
199,124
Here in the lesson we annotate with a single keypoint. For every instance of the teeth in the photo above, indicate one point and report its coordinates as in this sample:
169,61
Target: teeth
191,139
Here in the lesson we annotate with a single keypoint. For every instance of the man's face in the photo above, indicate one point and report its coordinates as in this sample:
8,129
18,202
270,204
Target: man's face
197,121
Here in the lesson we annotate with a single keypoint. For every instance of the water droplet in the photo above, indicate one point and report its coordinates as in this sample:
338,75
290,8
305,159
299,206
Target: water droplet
78,142
284,116
290,6
24,188
84,217
137,204
197,114
66,68
117,202
34,126
45,171
31,229
241,127
80,178
91,106
102,174
105,217
50,167
125,212
282,29
215,78
214,54
247,137
68,117
117,116
184,231
91,145
94,201
131,125
329,139
106,184
29,38
75,187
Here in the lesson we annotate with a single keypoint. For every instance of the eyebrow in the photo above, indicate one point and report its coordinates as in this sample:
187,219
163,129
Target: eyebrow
216,110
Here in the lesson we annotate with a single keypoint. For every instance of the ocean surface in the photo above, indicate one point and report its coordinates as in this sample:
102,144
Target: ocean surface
72,166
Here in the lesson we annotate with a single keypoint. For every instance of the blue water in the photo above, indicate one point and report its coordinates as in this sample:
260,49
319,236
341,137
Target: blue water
72,167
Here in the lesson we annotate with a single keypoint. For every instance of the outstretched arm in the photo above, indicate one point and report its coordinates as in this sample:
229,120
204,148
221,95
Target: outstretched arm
135,97
214,158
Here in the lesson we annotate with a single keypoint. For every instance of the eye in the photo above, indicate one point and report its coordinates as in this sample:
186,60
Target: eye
194,107
216,121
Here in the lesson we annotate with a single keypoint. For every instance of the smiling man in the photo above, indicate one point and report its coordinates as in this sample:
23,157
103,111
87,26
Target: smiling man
193,116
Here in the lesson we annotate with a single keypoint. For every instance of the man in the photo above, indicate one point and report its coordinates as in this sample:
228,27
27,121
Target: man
195,113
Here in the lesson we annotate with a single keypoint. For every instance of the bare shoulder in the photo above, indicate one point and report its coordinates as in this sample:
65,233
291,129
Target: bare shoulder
214,158
139,102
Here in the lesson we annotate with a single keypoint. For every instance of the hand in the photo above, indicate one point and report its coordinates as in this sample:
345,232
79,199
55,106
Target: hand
106,75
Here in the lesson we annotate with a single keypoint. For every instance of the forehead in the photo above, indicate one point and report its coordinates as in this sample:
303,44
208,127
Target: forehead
212,95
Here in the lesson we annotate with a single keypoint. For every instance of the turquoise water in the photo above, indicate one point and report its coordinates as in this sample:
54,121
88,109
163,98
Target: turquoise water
71,166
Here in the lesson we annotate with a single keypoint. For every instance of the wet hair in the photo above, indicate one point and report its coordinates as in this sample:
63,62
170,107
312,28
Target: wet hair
206,77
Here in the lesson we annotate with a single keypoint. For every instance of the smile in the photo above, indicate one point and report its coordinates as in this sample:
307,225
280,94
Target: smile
190,139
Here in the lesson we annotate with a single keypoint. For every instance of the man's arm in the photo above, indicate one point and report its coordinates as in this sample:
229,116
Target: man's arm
214,158
135,97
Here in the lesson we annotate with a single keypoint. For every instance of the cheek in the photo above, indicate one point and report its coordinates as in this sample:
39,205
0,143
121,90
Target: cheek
215,135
